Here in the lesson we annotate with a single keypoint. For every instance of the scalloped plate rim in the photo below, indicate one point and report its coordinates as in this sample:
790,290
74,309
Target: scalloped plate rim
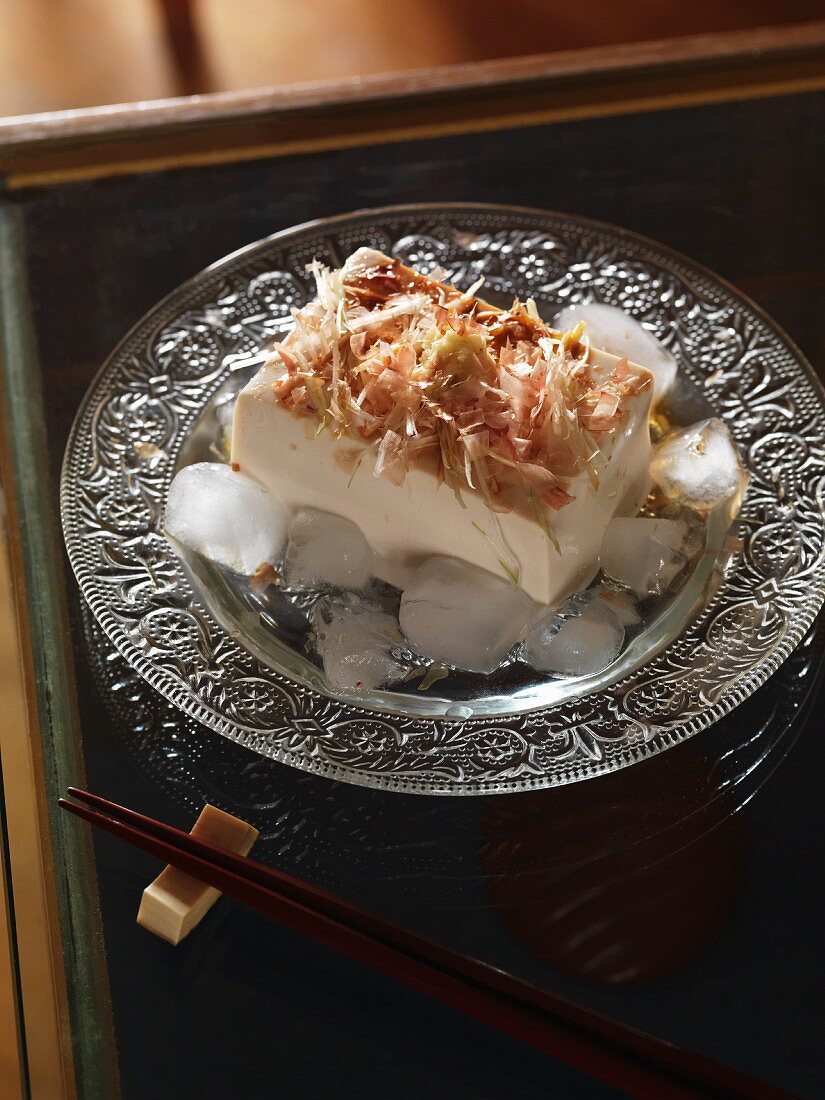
737,690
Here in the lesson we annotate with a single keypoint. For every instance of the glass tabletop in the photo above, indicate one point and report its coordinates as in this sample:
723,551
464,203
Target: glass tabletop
680,896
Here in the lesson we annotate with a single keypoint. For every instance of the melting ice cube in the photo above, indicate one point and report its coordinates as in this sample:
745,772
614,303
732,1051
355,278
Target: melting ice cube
616,332
225,516
224,411
462,615
579,638
644,554
325,549
620,603
355,647
700,467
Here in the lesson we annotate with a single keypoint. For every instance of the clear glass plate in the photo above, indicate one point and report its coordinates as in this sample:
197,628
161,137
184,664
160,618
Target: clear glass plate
208,643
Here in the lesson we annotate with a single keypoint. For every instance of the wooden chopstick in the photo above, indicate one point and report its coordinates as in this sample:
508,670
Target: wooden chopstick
603,1048
250,869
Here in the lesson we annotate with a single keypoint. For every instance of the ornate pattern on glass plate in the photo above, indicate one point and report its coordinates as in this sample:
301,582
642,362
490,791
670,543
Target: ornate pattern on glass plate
136,415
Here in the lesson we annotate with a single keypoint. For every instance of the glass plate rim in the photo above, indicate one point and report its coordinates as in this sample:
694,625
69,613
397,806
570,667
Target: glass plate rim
737,689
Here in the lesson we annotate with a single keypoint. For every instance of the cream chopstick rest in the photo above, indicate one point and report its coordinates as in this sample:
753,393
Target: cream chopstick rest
175,902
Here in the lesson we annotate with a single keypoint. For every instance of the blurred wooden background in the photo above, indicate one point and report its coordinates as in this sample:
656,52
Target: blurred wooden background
75,53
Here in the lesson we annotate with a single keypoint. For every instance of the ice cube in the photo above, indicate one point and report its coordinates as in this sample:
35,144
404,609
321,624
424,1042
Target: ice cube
355,647
644,554
579,638
325,549
461,615
620,603
613,330
225,516
224,412
700,467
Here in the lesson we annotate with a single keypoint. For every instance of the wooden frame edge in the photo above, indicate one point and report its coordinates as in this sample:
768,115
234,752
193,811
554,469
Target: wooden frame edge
98,142
62,1063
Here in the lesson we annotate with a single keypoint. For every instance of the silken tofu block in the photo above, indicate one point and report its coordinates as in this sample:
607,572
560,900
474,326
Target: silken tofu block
408,523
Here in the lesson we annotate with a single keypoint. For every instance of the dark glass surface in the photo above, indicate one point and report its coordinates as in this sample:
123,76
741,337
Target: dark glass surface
643,894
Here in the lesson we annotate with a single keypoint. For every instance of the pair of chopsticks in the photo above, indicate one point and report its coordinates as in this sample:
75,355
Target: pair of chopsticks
603,1048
